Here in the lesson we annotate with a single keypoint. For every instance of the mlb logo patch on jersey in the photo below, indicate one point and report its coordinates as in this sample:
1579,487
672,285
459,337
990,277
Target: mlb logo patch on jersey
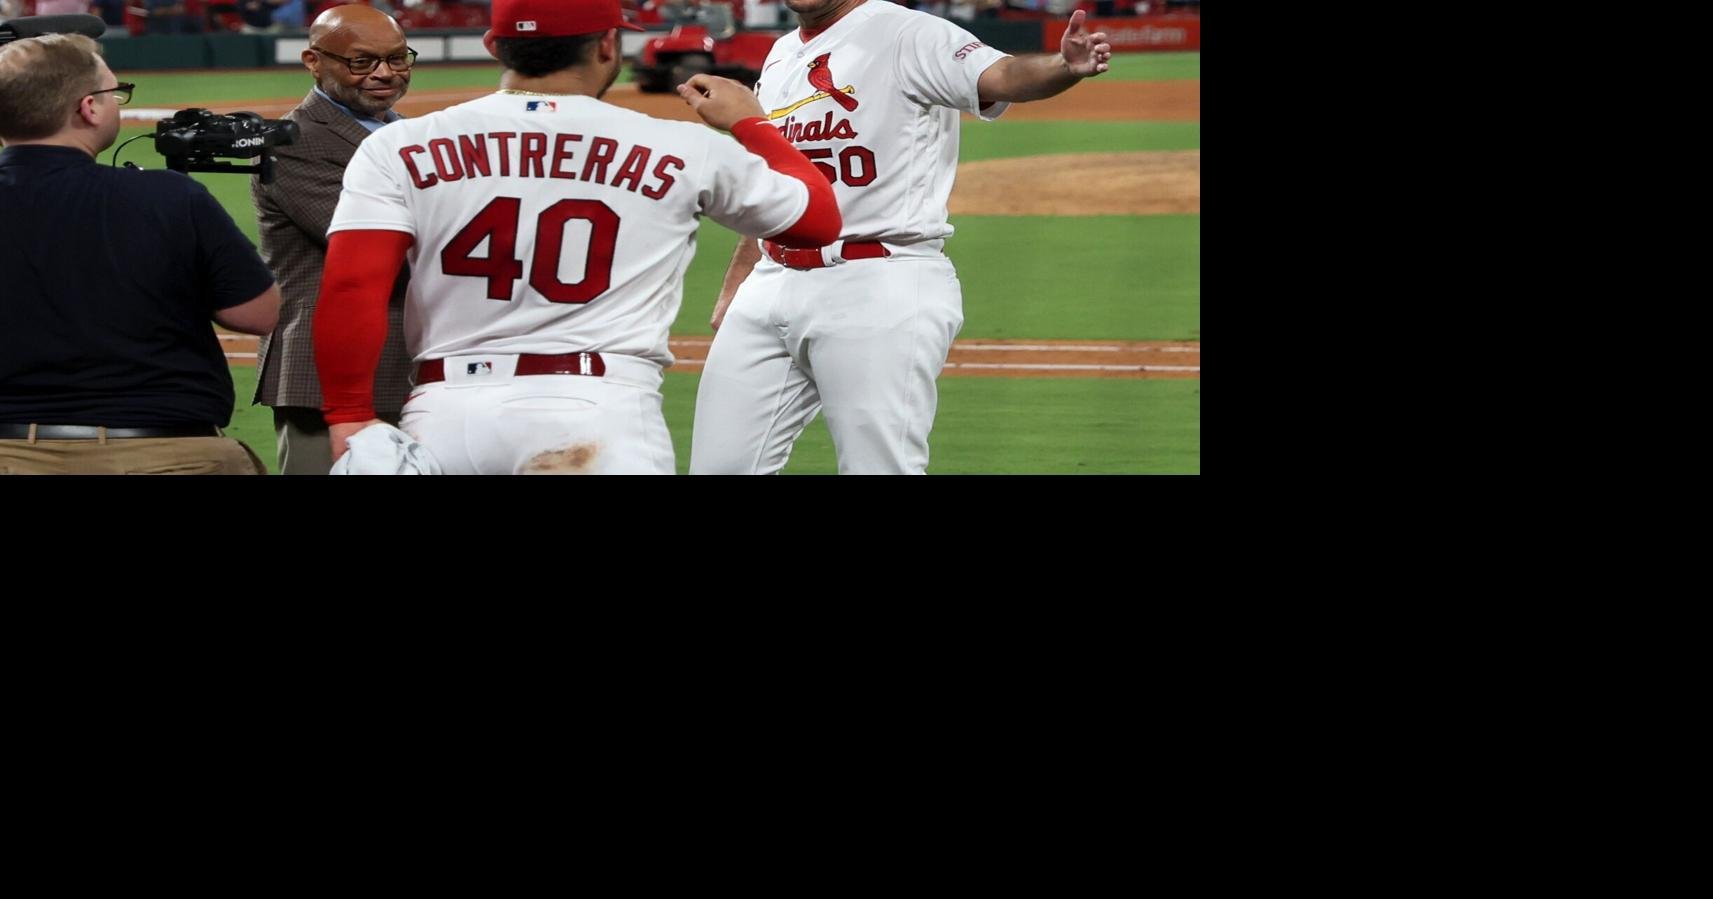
546,105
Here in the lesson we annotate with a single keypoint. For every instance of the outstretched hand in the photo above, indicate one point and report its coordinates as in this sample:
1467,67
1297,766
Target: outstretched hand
1085,54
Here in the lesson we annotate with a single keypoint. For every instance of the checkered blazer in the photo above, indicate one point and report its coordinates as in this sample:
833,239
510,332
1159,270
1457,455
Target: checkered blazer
292,215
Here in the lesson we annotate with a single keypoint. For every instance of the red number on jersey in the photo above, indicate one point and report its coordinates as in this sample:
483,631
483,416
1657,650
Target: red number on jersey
856,165
823,153
854,158
550,233
498,221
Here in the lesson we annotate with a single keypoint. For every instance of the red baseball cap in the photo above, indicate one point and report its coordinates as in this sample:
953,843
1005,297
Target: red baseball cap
556,18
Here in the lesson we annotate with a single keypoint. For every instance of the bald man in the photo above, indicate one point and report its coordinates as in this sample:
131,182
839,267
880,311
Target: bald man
362,68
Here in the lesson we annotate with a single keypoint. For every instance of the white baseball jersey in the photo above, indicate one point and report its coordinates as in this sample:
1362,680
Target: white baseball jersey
837,98
553,224
873,100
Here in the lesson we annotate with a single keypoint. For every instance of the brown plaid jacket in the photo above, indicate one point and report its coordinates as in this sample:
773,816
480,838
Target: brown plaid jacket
292,215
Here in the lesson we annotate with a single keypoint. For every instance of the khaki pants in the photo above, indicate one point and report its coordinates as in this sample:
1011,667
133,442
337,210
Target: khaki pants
135,455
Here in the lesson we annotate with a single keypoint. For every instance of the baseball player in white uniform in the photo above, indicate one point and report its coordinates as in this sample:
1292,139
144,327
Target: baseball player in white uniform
871,92
548,234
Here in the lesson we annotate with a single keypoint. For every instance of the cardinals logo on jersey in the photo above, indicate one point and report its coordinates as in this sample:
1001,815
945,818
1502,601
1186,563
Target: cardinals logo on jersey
821,78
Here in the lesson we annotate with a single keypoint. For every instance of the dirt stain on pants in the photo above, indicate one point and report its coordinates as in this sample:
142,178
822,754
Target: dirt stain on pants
575,459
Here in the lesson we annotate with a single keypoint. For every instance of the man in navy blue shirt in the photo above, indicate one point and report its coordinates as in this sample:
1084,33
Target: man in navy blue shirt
108,281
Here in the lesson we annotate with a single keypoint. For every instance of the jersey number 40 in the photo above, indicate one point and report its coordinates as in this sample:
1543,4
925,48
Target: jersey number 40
498,221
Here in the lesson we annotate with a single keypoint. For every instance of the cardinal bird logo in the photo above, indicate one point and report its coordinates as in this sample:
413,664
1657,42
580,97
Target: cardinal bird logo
821,78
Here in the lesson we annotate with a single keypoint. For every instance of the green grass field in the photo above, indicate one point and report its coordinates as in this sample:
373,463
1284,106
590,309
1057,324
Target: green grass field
181,89
1135,277
985,426
1110,277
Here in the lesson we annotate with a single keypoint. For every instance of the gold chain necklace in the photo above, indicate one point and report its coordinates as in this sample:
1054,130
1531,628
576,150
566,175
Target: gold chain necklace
507,90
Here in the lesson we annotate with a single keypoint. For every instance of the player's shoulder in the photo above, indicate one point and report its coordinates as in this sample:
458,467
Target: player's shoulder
890,9
901,23
893,15
889,24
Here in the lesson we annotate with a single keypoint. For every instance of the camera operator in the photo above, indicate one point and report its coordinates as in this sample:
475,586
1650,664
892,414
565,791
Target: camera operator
361,67
108,280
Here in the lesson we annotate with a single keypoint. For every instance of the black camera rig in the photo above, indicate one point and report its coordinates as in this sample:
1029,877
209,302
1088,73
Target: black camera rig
193,138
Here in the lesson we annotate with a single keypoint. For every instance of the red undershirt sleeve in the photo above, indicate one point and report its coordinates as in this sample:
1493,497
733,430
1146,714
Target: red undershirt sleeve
351,318
820,222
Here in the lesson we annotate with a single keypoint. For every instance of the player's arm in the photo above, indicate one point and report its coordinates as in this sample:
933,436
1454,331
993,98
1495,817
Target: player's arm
729,106
351,325
1037,76
743,262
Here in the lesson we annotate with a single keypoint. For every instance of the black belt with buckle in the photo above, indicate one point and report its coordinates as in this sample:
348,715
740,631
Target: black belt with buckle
92,432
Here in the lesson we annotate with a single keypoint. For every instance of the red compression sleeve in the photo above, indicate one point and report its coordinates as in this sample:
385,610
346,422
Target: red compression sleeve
820,223
351,318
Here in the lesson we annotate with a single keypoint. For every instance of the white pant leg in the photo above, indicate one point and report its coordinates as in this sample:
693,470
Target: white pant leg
876,344
546,424
434,419
753,400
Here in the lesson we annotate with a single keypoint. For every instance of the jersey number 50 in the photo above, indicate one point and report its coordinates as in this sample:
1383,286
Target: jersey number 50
856,164
498,223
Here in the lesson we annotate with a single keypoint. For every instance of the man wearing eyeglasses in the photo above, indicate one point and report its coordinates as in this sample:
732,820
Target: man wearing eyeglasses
362,67
108,281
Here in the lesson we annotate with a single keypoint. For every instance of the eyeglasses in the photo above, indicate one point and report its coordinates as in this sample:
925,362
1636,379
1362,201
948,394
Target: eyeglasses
363,65
121,92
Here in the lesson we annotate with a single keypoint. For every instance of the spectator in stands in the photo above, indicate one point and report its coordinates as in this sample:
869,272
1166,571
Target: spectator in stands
270,16
171,17
762,14
61,7
113,13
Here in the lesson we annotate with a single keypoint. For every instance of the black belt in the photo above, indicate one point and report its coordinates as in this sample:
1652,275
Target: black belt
91,432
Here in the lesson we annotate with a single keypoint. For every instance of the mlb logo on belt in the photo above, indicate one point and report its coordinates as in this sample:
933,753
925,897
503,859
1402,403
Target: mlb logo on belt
479,368
547,105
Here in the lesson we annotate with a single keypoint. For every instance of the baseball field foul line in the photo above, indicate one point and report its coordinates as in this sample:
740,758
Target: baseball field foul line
984,358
